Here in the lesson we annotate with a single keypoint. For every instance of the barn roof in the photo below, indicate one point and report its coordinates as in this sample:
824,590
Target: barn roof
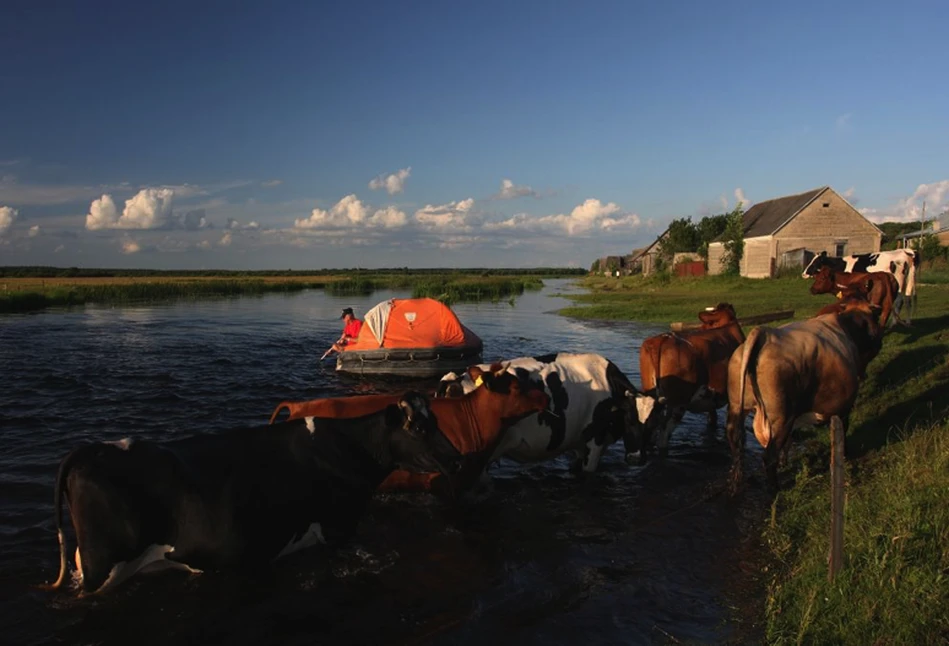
764,218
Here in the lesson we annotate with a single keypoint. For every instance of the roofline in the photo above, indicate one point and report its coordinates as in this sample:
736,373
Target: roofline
651,245
820,191
855,209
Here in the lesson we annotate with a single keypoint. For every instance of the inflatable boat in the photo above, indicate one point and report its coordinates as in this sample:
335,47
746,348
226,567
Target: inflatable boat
411,337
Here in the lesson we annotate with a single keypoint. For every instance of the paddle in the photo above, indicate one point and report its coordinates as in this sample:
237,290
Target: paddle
326,353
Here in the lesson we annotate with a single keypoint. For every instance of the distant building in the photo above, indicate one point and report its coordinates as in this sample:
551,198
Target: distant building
939,227
647,257
785,231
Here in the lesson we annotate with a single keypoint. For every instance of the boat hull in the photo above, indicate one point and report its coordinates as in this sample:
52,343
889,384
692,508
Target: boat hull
409,362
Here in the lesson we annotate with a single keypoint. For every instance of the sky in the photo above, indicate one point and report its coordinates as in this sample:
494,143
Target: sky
308,135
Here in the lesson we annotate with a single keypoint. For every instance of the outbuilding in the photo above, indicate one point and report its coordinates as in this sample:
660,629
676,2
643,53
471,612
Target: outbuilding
785,231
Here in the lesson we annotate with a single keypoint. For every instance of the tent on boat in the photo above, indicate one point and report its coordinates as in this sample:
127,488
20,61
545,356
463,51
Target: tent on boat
412,337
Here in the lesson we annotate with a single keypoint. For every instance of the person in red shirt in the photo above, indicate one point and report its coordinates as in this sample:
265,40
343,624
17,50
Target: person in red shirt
350,329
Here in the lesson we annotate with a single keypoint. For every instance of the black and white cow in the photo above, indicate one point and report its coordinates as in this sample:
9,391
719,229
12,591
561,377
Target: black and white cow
902,263
592,404
240,497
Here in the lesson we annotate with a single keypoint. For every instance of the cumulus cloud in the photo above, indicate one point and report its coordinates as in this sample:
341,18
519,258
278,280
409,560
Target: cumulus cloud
590,216
226,239
130,246
452,216
7,216
393,183
234,224
910,208
34,231
349,213
204,244
851,196
510,191
150,208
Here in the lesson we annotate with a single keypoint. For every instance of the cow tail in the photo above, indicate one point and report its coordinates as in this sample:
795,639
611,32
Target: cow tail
62,477
657,366
749,367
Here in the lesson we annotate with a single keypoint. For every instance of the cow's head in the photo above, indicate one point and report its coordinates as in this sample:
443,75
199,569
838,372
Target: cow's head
825,281
513,393
814,265
455,385
415,442
719,316
641,414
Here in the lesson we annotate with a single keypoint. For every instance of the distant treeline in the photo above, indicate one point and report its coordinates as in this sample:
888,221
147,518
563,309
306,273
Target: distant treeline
92,272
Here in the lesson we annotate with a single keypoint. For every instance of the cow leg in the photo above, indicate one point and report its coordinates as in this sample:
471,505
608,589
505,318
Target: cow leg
672,421
712,425
776,450
578,464
593,455
735,432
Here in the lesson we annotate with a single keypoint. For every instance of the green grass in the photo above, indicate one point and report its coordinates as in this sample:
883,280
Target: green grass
894,586
26,294
660,300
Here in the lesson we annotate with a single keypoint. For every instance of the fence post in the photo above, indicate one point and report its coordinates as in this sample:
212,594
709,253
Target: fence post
836,557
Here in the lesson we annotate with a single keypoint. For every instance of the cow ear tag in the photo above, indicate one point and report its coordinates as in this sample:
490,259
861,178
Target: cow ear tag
478,381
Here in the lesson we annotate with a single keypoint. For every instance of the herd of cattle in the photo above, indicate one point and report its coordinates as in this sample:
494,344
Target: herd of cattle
252,495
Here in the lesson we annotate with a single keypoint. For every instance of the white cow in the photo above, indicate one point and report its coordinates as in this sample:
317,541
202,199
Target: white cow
592,404
902,263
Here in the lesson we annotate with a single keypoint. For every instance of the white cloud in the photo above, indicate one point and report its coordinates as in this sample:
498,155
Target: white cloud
388,218
349,211
590,216
60,248
226,239
851,196
909,209
510,190
454,216
393,183
7,216
234,224
130,246
34,231
204,244
271,183
741,199
150,208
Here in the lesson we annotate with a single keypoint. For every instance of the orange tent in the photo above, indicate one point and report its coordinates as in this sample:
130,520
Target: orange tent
411,323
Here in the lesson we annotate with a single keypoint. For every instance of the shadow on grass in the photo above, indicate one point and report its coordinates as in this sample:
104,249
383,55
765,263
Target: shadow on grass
922,328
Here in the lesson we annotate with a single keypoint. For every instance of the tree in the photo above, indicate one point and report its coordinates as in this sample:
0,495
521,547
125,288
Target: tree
682,236
709,228
595,267
734,241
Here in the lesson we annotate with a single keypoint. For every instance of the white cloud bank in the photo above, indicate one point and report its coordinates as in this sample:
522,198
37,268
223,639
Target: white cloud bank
351,212
510,191
150,208
393,183
909,209
590,216
454,216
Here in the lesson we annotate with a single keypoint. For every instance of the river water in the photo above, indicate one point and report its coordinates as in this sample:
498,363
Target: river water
628,555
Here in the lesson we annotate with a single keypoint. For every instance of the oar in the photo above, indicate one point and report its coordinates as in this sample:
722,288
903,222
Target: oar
326,353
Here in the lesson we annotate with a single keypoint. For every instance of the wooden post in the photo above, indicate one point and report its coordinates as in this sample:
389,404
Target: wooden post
836,557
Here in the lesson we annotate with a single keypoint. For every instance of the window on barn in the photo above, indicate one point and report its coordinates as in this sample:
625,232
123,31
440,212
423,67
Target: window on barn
839,249
826,205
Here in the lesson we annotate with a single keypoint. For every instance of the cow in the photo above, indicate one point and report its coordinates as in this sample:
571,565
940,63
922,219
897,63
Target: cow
879,288
473,423
592,404
799,374
688,371
246,496
902,263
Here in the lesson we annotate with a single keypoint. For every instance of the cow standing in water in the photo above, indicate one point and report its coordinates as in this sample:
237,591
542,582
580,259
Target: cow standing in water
592,404
688,371
474,424
800,374
236,498
902,263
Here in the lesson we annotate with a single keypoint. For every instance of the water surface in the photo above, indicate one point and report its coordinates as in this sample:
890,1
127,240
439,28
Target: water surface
628,555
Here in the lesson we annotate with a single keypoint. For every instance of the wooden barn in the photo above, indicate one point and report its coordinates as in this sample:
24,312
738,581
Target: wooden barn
788,231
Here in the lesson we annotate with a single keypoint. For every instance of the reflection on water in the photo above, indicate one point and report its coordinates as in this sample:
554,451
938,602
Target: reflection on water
544,557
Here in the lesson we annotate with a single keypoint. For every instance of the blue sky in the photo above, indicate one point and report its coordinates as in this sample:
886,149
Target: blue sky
189,135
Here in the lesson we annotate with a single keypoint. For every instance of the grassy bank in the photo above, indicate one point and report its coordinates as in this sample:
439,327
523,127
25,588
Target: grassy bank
26,293
895,584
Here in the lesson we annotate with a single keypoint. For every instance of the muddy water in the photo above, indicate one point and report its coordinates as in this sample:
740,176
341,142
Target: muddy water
625,556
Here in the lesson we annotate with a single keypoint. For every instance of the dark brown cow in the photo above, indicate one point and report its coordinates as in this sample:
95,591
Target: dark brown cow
798,374
688,371
880,288
473,423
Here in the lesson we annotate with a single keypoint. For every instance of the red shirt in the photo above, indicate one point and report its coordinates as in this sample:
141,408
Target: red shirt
352,328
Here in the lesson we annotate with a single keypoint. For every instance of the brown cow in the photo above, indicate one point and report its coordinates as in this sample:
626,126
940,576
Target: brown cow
688,371
473,423
880,288
798,374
